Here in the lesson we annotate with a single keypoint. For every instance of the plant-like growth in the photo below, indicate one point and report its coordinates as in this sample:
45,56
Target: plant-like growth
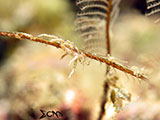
94,22
72,50
153,8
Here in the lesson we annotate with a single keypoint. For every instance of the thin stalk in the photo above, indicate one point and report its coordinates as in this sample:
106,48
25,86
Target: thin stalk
108,27
108,47
21,36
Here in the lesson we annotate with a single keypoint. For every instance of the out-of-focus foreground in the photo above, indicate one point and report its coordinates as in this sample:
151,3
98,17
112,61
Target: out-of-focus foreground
33,78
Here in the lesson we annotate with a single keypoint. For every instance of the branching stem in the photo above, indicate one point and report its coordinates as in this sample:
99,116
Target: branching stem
107,27
21,36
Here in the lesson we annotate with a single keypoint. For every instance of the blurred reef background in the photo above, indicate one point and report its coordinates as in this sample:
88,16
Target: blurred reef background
32,76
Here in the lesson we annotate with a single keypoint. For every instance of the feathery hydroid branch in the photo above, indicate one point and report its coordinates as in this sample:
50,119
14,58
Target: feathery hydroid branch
108,27
58,42
153,9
